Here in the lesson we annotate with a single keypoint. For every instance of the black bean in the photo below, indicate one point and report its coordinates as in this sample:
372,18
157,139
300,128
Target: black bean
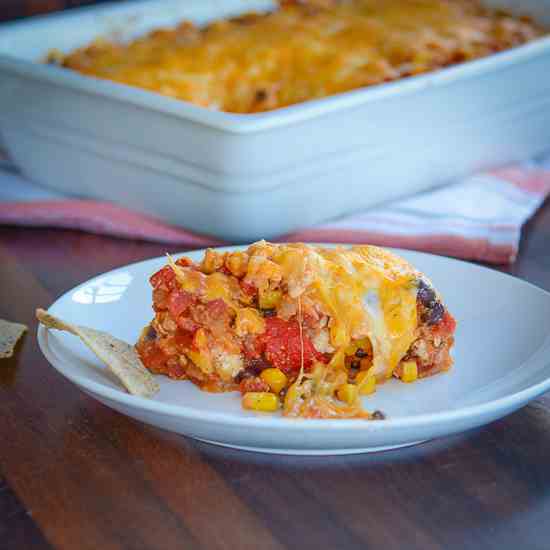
269,312
378,415
245,373
426,294
240,376
355,365
151,334
434,314
261,95
257,365
361,353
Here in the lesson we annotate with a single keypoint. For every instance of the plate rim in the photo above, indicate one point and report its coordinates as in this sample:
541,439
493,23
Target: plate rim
293,424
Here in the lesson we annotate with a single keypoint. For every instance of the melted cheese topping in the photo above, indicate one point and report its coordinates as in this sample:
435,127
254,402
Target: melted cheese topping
366,292
303,50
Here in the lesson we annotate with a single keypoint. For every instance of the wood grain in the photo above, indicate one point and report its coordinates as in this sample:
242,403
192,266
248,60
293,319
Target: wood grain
83,476
17,529
14,9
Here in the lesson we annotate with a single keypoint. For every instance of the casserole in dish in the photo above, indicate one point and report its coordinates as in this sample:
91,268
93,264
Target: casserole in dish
244,176
302,50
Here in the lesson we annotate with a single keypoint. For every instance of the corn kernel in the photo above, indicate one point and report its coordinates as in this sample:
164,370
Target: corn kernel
260,401
216,286
248,321
363,344
200,360
212,261
261,272
347,393
200,339
270,299
190,281
410,371
237,263
276,379
366,383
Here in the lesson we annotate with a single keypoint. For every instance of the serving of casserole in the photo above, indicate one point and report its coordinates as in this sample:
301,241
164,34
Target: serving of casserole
308,328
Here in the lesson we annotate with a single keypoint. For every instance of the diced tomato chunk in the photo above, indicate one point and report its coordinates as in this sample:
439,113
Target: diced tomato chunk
216,308
187,324
446,326
449,322
247,288
152,356
253,347
175,370
179,302
165,275
184,262
282,346
184,338
160,299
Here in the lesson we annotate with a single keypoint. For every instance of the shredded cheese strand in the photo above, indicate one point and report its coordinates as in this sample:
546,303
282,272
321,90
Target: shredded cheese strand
178,271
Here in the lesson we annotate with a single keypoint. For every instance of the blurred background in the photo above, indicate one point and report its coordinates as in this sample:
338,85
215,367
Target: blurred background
476,170
16,9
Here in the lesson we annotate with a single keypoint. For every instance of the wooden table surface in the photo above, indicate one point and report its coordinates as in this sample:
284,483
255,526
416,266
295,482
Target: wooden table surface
15,9
74,474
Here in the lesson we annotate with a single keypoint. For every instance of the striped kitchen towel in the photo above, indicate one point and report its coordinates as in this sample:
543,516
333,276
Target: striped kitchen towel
479,218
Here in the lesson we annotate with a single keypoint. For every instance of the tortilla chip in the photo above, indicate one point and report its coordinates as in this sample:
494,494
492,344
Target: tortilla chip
9,335
119,357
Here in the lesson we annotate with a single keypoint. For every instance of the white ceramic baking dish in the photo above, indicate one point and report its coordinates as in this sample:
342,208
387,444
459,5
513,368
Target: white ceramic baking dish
241,177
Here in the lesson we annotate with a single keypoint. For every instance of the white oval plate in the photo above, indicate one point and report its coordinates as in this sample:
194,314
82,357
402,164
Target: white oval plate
502,361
